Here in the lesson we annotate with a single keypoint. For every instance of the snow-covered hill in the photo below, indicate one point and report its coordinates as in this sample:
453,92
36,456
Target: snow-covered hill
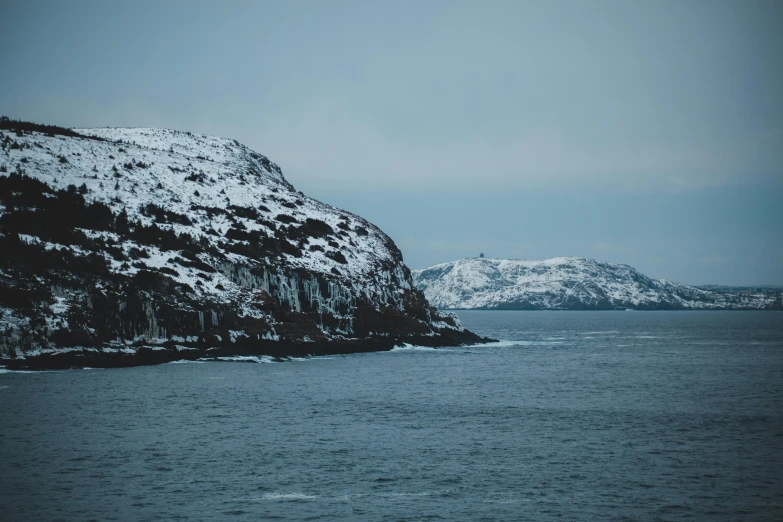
134,239
567,283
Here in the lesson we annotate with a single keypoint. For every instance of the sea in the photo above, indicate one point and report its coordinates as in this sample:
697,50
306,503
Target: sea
572,416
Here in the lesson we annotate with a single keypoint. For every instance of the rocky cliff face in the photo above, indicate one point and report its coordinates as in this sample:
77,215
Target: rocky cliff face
568,283
130,246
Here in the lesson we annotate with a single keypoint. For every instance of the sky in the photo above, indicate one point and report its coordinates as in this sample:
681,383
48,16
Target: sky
645,133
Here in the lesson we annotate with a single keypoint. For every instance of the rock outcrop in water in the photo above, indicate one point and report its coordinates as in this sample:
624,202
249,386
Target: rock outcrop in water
570,283
135,246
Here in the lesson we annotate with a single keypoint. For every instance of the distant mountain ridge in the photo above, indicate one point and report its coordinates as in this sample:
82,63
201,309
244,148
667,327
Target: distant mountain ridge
570,283
749,289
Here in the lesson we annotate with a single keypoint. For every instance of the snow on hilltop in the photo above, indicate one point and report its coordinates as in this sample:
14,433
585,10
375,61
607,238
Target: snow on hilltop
191,174
114,236
566,283
231,154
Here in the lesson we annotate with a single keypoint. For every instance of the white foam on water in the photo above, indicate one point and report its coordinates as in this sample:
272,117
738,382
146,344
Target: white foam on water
413,348
507,501
603,332
314,357
249,358
466,348
185,361
6,370
393,495
529,343
287,497
499,344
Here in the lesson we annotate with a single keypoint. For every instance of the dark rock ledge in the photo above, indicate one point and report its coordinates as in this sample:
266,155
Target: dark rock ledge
127,247
170,351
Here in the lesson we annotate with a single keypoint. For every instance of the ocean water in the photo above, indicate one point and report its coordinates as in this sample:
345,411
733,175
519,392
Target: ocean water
574,416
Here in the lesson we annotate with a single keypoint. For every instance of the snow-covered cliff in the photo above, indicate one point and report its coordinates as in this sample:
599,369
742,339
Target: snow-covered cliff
567,283
118,240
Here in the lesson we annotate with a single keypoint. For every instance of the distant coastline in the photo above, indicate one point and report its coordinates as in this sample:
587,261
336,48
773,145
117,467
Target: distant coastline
574,283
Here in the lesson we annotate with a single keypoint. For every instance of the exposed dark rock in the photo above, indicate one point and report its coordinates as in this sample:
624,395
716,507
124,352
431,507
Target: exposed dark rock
87,281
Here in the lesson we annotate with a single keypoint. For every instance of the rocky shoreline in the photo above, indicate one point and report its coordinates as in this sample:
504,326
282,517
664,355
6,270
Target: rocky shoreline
125,247
147,355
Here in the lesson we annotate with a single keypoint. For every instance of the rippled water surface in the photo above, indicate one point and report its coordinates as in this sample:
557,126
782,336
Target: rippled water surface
575,416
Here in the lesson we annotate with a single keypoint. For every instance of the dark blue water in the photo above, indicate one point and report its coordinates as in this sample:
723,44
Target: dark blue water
578,416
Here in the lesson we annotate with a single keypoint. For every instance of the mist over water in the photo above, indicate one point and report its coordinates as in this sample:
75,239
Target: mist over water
576,415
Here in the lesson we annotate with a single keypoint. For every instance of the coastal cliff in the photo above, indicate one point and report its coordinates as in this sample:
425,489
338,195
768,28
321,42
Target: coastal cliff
135,246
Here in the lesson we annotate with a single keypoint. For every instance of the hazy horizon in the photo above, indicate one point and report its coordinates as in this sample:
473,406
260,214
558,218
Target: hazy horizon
644,134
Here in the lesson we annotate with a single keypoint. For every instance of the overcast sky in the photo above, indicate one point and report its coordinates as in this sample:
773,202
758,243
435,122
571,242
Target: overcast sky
647,133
